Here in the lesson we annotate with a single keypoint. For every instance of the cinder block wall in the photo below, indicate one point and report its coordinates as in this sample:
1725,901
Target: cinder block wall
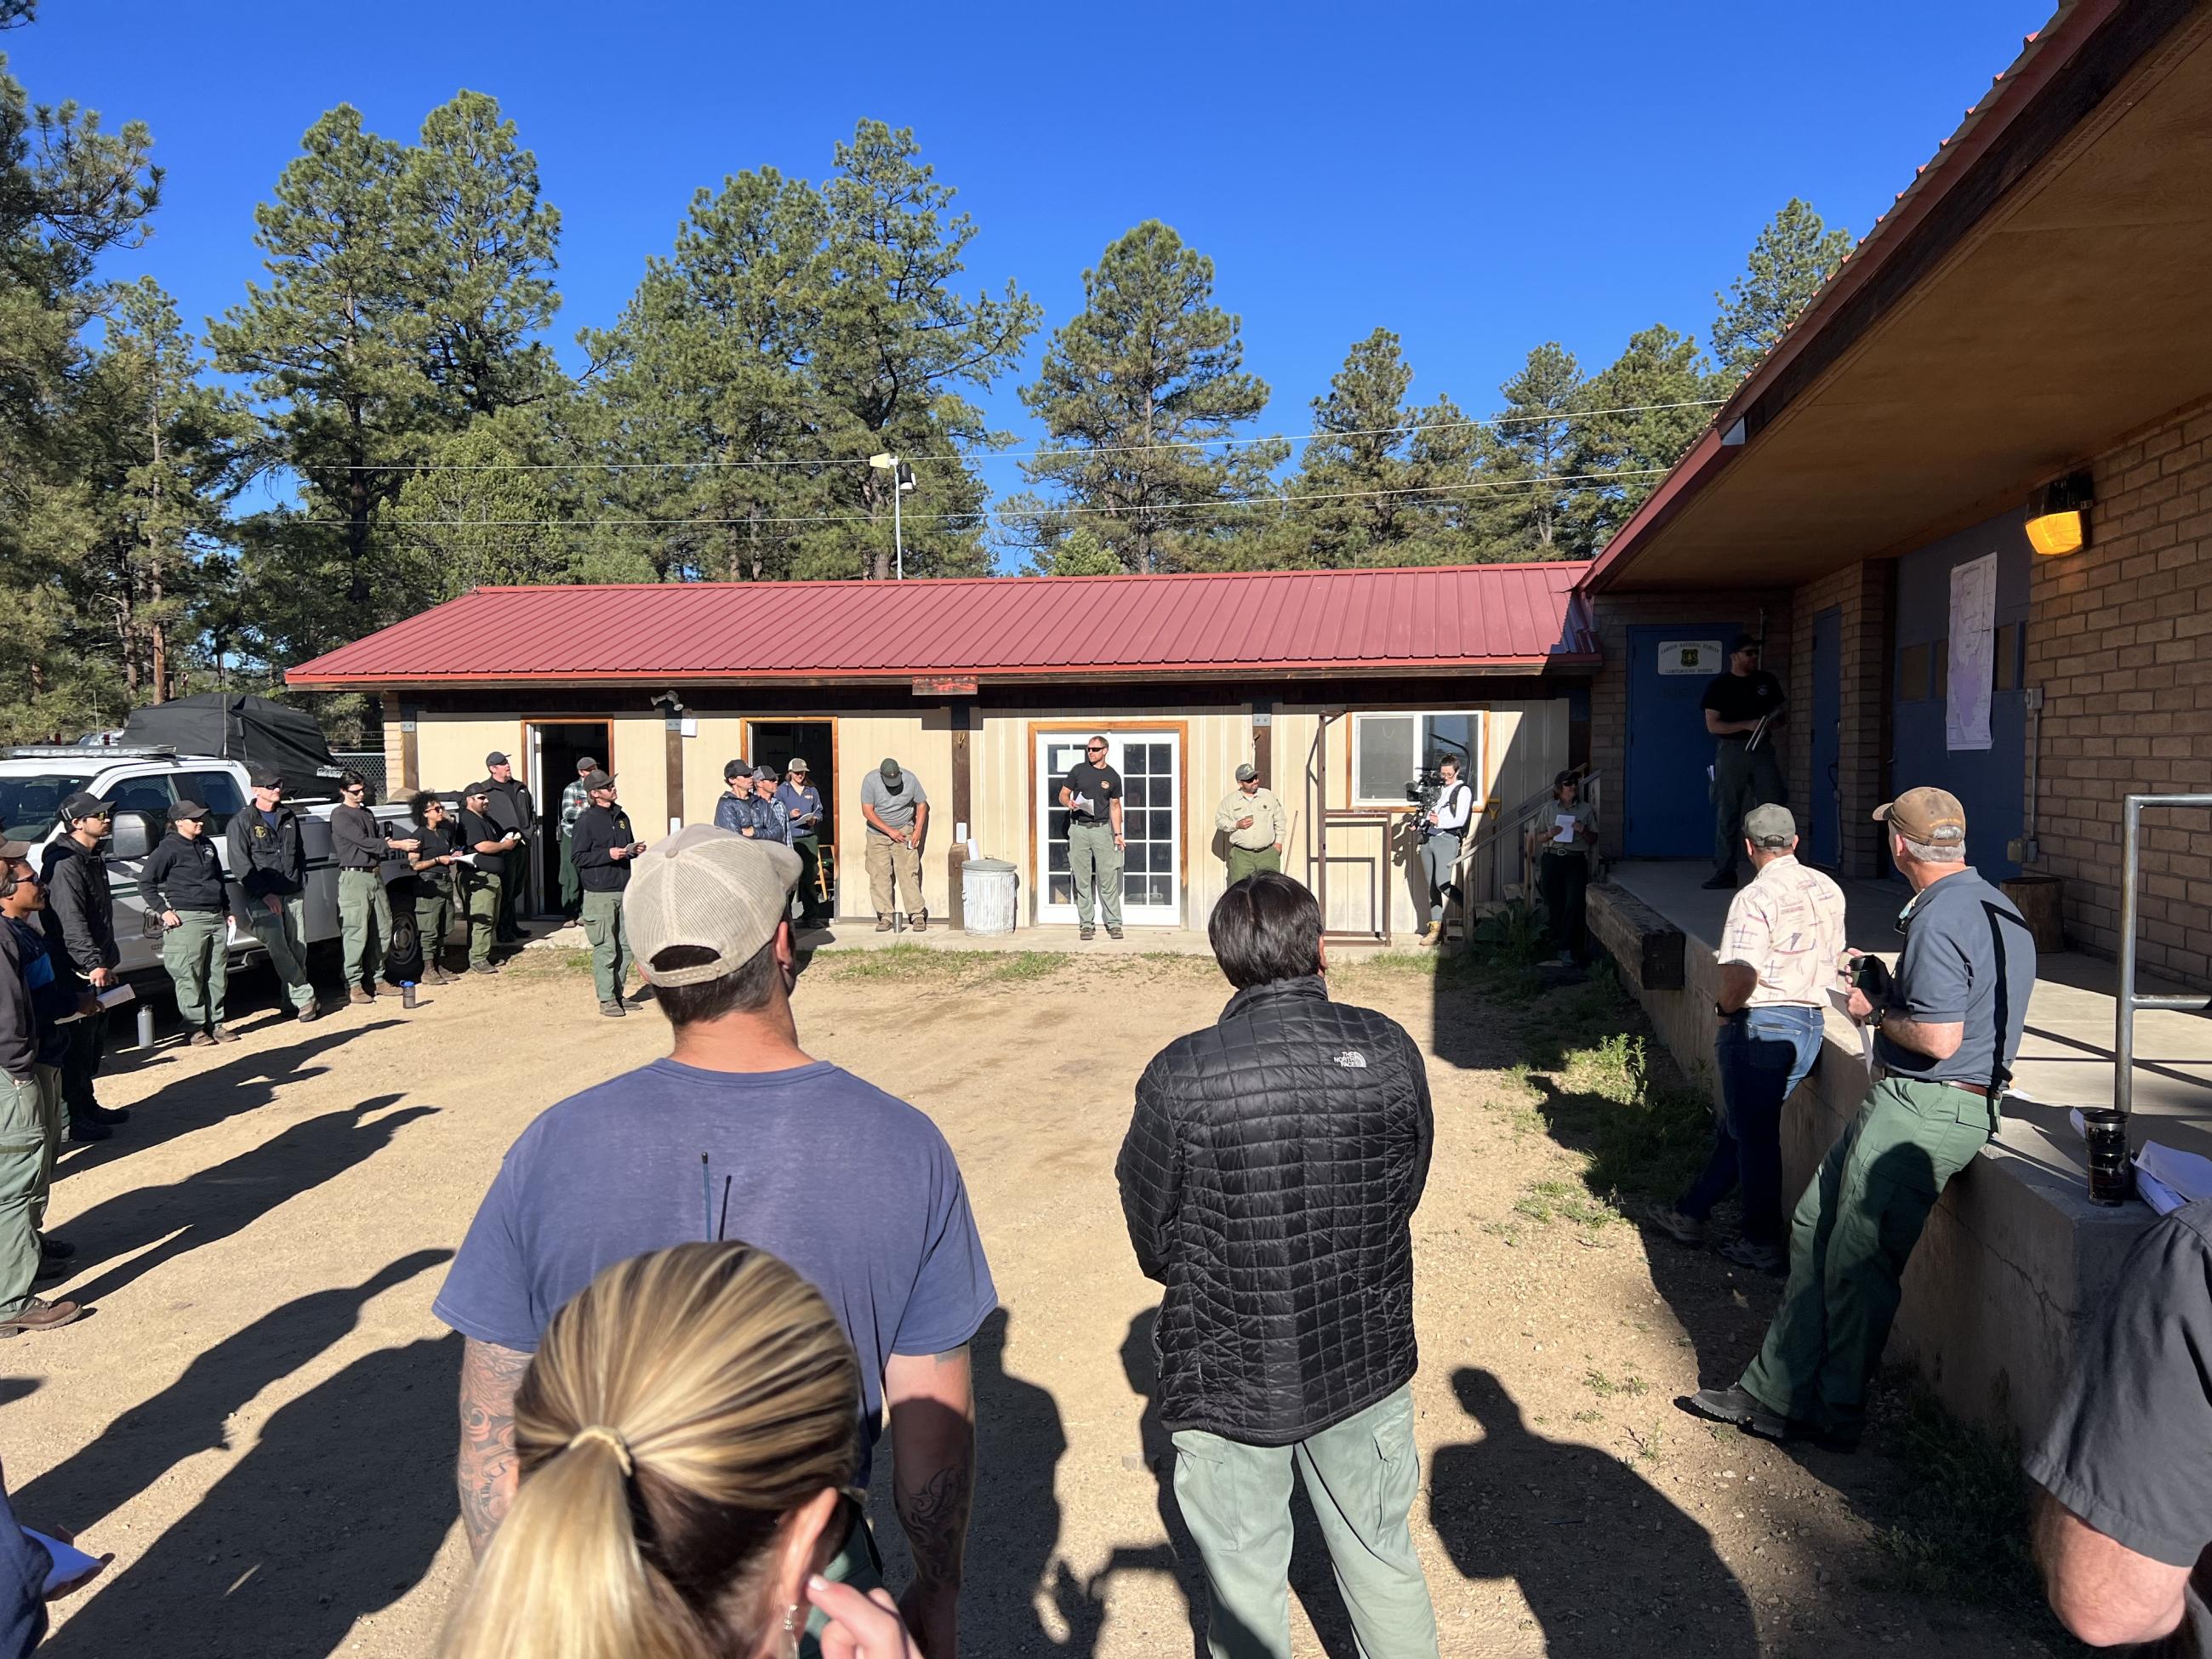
2120,640
1865,595
1614,615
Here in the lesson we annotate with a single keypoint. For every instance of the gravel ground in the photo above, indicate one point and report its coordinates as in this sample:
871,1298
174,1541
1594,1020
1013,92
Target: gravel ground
257,1418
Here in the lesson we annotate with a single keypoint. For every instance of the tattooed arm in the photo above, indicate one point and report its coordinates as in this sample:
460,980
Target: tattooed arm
485,1473
933,1409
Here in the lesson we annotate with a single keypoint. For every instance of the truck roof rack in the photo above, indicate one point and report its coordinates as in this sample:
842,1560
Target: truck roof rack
92,757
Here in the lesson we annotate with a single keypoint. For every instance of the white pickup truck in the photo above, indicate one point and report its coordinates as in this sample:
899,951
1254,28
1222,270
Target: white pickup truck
141,785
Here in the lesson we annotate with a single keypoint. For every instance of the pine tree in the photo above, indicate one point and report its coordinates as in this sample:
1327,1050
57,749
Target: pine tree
1529,455
1647,407
1353,479
1795,254
1134,391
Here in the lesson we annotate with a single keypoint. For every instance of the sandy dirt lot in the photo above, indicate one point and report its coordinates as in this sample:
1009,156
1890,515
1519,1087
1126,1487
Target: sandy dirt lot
258,1421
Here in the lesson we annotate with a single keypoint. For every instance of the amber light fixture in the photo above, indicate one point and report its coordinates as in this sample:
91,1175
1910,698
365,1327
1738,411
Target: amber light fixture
2059,521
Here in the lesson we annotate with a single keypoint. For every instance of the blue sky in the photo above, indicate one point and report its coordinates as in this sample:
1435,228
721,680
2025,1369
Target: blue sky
1478,177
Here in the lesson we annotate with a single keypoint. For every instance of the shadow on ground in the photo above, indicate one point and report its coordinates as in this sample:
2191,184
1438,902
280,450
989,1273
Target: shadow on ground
334,1514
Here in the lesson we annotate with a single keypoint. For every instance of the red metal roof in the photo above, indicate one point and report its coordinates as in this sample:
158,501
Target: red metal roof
1489,617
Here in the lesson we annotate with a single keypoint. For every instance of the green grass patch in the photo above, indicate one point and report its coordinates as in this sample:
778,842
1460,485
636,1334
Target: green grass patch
1605,1387
547,962
1565,1200
1961,1526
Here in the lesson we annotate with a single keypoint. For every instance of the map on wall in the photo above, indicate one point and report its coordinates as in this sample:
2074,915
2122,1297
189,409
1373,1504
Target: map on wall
1973,619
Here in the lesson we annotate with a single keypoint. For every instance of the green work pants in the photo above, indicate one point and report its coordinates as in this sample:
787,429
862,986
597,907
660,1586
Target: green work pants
365,924
199,960
433,917
1361,1477
809,848
610,943
1742,779
483,918
283,934
1093,860
1853,1232
30,1135
1250,861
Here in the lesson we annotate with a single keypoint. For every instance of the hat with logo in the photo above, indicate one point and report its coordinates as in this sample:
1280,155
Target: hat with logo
495,758
597,780
185,810
77,808
1247,772
888,772
708,888
1932,816
1769,826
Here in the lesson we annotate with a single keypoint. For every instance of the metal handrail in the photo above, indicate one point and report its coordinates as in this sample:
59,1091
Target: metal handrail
2126,1004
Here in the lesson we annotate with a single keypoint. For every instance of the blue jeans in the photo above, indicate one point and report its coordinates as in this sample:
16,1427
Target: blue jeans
1763,1053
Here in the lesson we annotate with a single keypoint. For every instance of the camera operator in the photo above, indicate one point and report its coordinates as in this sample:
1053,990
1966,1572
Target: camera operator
1948,1027
1442,827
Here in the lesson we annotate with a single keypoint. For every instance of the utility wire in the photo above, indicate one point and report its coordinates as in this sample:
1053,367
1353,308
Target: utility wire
1493,421
1001,512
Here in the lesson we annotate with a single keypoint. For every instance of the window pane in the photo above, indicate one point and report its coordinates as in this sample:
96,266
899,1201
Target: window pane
1061,890
1454,735
29,806
1140,791
1382,750
1162,890
218,793
1055,856
1159,758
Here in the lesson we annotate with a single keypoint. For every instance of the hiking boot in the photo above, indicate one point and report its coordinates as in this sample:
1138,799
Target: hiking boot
200,1040
38,1315
1112,931
1431,935
439,975
1759,1258
110,1114
882,924
1736,1406
1087,932
360,993
83,1131
919,921
311,1013
1682,1229
224,1034
1720,880
614,1011
484,968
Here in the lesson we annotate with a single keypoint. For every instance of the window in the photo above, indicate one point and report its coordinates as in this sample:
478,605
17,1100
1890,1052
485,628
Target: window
29,806
218,793
1390,751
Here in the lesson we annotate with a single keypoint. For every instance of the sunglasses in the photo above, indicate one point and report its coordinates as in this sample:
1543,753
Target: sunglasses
1094,749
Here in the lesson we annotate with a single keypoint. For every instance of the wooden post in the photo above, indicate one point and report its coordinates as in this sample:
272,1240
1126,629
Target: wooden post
673,743
410,761
1263,733
956,853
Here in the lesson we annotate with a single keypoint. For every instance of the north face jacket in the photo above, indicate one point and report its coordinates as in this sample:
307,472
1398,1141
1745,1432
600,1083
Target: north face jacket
1268,1179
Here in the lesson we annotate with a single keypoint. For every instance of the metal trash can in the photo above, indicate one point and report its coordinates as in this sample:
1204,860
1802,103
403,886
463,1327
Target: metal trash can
987,896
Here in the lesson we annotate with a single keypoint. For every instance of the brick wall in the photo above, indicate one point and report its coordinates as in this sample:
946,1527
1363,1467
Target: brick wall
1614,615
1864,593
2120,640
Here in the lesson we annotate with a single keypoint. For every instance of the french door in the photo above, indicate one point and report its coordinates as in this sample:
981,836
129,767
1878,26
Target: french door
1150,765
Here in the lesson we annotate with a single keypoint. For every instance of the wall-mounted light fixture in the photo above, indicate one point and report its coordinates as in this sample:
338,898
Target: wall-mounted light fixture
2059,521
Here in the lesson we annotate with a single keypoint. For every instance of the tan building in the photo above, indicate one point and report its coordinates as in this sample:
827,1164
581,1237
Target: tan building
1340,685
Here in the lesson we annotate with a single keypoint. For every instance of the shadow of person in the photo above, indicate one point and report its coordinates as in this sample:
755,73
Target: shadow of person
1562,1520
213,1203
1019,1442
145,1442
337,1513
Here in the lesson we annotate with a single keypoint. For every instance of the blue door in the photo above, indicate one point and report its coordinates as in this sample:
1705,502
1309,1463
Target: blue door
1667,793
1824,834
1990,783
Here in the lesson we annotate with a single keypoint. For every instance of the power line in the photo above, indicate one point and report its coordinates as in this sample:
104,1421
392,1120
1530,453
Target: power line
1000,513
1493,421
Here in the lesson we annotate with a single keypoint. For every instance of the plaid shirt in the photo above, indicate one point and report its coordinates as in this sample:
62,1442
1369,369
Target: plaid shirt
574,799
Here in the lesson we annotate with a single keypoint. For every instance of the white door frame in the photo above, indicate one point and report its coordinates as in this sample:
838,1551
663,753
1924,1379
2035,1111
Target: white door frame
1174,734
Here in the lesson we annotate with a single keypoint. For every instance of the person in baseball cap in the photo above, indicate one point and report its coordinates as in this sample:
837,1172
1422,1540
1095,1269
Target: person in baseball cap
803,812
184,880
575,799
1948,1022
269,861
1742,705
736,1134
1252,822
80,923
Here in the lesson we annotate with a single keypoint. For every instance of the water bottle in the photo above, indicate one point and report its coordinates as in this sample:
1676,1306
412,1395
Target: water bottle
407,993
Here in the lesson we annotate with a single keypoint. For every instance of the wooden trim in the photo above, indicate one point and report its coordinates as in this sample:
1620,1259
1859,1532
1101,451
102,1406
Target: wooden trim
960,712
1181,729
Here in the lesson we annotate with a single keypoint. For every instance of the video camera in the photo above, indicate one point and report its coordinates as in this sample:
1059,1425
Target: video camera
1427,787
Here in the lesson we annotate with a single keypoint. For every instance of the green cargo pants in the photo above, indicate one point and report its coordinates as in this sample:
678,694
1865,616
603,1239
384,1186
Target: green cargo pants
1742,779
365,922
197,957
610,943
434,918
483,918
1250,860
283,934
29,1132
1093,858
1361,1477
1853,1232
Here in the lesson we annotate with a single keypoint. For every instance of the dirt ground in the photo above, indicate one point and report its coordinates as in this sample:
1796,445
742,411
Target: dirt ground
258,1421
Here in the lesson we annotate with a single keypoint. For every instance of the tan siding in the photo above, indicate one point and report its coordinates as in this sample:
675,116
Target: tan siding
921,743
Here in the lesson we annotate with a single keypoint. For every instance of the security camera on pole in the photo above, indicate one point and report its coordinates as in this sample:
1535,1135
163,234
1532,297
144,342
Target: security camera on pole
903,485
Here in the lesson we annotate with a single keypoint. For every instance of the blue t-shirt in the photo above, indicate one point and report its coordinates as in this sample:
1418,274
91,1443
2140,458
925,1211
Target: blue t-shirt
854,1188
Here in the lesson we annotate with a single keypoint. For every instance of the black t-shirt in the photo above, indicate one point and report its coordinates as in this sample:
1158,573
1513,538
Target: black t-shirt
2129,1450
1744,696
1102,783
476,827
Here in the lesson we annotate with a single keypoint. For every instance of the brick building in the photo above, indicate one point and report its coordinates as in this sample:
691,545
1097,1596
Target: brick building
2033,308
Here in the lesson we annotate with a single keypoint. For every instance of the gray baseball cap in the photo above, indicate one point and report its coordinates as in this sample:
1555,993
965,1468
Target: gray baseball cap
1247,772
1769,826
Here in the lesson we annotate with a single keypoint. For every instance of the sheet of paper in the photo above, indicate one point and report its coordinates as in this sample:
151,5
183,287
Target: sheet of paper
2186,1173
1842,999
1564,830
116,995
1081,804
70,1563
2156,1194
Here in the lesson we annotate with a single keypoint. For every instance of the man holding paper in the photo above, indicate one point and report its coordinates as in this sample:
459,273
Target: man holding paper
1091,793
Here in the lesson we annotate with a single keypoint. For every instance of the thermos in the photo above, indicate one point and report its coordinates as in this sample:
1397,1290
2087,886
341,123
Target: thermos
145,1026
2112,1176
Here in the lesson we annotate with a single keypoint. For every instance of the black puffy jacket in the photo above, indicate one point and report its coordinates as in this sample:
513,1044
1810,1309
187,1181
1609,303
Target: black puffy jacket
1268,1179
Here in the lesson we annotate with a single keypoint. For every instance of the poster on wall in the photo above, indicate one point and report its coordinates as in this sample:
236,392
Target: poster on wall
1973,621
1703,658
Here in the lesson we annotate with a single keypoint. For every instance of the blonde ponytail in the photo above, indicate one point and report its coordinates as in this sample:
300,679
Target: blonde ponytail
679,1408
